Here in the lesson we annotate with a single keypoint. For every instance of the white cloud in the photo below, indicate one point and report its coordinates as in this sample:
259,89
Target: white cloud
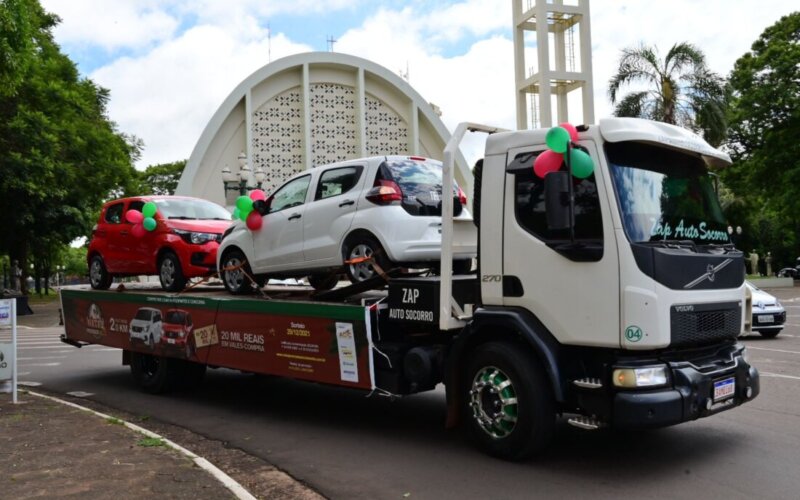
131,24
167,96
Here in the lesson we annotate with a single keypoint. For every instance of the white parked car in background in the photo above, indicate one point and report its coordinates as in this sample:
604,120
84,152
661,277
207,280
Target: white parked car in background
768,313
385,207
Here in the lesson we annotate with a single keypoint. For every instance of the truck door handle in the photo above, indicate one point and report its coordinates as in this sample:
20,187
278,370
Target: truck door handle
346,203
295,216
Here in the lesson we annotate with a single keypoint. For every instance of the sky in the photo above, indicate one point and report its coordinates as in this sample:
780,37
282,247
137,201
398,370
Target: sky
169,64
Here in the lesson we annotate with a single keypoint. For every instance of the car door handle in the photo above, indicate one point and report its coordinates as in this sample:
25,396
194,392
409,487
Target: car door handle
295,216
346,203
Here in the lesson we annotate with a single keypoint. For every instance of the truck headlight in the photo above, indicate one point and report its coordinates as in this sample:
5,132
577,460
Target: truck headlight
195,237
644,376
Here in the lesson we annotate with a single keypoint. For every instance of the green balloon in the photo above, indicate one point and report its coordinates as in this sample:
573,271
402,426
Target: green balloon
557,139
149,209
149,223
582,164
244,204
235,214
244,213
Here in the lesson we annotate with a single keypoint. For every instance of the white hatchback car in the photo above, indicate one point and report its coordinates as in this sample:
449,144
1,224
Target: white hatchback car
385,207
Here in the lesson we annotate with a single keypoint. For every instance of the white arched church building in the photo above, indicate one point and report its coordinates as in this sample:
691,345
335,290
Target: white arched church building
307,110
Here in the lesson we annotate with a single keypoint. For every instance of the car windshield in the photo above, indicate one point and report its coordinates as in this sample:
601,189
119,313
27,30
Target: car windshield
176,317
144,314
665,195
187,208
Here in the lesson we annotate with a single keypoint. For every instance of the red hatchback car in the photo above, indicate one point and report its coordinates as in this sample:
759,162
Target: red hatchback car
183,245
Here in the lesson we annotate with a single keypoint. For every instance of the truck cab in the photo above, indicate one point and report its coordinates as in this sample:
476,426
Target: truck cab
619,293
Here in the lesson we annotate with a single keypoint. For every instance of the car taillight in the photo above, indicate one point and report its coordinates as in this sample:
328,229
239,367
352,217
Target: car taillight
385,193
462,197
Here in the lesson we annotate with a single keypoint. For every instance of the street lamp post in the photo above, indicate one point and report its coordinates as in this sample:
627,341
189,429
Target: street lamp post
240,181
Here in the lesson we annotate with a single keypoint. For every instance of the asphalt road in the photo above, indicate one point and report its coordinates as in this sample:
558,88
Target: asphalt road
347,446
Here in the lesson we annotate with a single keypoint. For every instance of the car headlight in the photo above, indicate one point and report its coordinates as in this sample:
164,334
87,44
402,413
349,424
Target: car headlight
643,376
195,238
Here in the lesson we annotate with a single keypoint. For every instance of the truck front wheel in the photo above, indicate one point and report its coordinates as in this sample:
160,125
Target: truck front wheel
508,405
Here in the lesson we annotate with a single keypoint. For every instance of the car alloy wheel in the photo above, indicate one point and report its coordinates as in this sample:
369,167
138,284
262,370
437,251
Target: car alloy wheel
361,271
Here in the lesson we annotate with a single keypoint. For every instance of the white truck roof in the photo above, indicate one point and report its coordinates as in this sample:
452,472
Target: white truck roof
618,130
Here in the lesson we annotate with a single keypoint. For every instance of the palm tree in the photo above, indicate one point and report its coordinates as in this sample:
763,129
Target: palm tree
680,89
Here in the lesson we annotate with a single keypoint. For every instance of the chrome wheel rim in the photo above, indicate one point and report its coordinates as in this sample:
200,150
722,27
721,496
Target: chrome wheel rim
167,272
363,270
234,279
494,402
96,272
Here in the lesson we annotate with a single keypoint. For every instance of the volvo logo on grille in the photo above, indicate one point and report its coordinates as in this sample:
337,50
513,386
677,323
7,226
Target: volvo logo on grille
710,274
684,309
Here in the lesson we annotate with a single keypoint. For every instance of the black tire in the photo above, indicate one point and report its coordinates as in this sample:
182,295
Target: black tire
99,277
323,282
363,245
237,282
170,273
151,342
770,334
463,266
154,374
516,429
190,349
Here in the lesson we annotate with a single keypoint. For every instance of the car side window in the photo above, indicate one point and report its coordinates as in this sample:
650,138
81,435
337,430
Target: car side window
337,181
135,205
114,213
291,194
530,207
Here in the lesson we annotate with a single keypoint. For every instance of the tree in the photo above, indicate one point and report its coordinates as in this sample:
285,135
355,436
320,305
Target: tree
60,155
680,90
763,136
162,179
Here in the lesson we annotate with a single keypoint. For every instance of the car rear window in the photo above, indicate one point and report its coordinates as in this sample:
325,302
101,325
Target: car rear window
421,184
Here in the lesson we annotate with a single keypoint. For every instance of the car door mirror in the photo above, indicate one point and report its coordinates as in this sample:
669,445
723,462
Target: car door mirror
556,193
263,206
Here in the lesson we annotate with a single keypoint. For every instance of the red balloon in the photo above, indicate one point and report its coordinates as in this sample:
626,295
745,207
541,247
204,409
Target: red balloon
548,161
573,132
138,230
254,221
134,216
257,194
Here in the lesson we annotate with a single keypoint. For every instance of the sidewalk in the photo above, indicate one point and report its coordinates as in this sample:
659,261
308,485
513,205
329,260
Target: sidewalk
49,449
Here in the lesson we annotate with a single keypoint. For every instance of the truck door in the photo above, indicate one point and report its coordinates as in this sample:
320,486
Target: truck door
573,288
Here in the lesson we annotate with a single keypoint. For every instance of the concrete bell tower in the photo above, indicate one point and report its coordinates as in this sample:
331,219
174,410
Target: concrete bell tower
552,59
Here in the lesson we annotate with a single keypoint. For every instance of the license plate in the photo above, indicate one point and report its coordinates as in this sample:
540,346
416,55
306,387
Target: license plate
766,318
171,341
724,388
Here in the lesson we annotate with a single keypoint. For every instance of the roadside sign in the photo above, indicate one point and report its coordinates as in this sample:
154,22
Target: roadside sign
8,352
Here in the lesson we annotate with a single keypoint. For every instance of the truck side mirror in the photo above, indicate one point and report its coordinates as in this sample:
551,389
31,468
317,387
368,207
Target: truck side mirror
556,198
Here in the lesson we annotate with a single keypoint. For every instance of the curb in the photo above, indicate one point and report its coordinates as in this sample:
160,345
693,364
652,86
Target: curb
237,489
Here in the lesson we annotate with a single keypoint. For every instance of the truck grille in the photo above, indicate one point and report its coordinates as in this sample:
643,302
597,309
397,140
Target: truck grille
699,324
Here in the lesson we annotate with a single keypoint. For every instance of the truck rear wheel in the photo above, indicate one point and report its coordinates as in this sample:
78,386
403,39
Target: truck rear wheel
153,374
508,404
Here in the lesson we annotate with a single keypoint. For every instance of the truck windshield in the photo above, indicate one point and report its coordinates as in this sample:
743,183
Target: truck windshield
665,195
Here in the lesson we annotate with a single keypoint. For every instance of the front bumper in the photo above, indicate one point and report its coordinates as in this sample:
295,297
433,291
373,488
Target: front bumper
765,320
690,394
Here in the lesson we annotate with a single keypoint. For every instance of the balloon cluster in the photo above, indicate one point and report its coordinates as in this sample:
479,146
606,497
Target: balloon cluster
143,221
558,140
249,208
